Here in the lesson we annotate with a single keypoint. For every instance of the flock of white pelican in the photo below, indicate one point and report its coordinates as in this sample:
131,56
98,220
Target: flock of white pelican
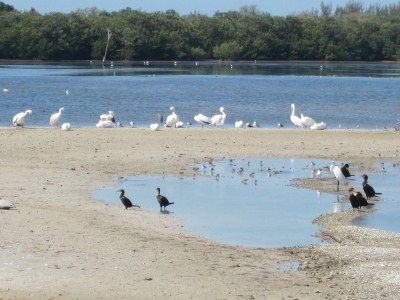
108,120
304,121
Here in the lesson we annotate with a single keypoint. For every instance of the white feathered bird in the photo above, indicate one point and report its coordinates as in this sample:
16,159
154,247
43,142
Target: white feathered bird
295,119
172,119
202,119
56,117
219,120
19,119
306,121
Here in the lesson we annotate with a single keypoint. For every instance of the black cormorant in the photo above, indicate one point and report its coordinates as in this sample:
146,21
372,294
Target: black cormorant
163,201
368,190
357,200
345,171
125,201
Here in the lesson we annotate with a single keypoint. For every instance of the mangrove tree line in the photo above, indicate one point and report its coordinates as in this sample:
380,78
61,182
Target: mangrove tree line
351,32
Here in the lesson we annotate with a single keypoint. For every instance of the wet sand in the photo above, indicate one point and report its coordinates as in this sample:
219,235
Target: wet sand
60,243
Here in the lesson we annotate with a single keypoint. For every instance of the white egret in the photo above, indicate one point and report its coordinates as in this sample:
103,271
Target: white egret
338,174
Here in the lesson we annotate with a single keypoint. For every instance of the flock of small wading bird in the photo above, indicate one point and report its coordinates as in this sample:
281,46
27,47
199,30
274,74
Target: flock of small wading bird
356,198
107,120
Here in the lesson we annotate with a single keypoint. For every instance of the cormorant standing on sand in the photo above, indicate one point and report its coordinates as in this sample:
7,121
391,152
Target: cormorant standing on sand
357,200
125,201
163,201
368,190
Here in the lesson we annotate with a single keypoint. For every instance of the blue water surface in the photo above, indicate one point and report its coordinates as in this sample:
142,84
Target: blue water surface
251,202
353,95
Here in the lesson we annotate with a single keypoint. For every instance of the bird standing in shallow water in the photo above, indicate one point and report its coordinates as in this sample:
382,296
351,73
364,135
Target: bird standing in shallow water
125,201
338,174
368,190
163,201
345,171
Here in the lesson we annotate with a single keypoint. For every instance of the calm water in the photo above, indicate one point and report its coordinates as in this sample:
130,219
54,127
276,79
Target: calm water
253,208
346,94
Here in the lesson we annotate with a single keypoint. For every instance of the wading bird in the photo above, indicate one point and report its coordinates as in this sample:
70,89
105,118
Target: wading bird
163,201
368,190
125,201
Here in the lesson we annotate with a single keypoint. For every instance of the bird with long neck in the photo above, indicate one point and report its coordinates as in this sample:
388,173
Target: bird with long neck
163,201
125,201
56,117
345,171
368,190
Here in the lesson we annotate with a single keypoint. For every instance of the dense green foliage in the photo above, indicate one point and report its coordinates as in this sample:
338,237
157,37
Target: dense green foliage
351,32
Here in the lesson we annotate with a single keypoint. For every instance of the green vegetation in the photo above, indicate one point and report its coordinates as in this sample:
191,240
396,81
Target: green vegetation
348,33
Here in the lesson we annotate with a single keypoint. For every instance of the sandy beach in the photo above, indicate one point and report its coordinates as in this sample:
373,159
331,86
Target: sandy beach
60,243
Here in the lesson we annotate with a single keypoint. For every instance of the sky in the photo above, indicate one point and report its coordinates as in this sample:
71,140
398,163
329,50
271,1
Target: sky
183,7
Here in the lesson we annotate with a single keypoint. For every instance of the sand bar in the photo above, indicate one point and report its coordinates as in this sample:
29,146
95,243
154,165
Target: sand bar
59,243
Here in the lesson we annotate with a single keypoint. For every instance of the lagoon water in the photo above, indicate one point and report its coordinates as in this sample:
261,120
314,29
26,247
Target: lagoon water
352,95
254,207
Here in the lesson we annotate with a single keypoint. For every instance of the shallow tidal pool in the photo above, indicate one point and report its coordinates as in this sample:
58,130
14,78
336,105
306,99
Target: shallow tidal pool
250,202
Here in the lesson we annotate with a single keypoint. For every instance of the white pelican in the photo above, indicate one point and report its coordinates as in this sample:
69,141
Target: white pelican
218,120
105,124
172,118
306,121
295,119
318,126
56,117
66,126
338,174
179,124
239,124
202,119
19,119
155,127
109,116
